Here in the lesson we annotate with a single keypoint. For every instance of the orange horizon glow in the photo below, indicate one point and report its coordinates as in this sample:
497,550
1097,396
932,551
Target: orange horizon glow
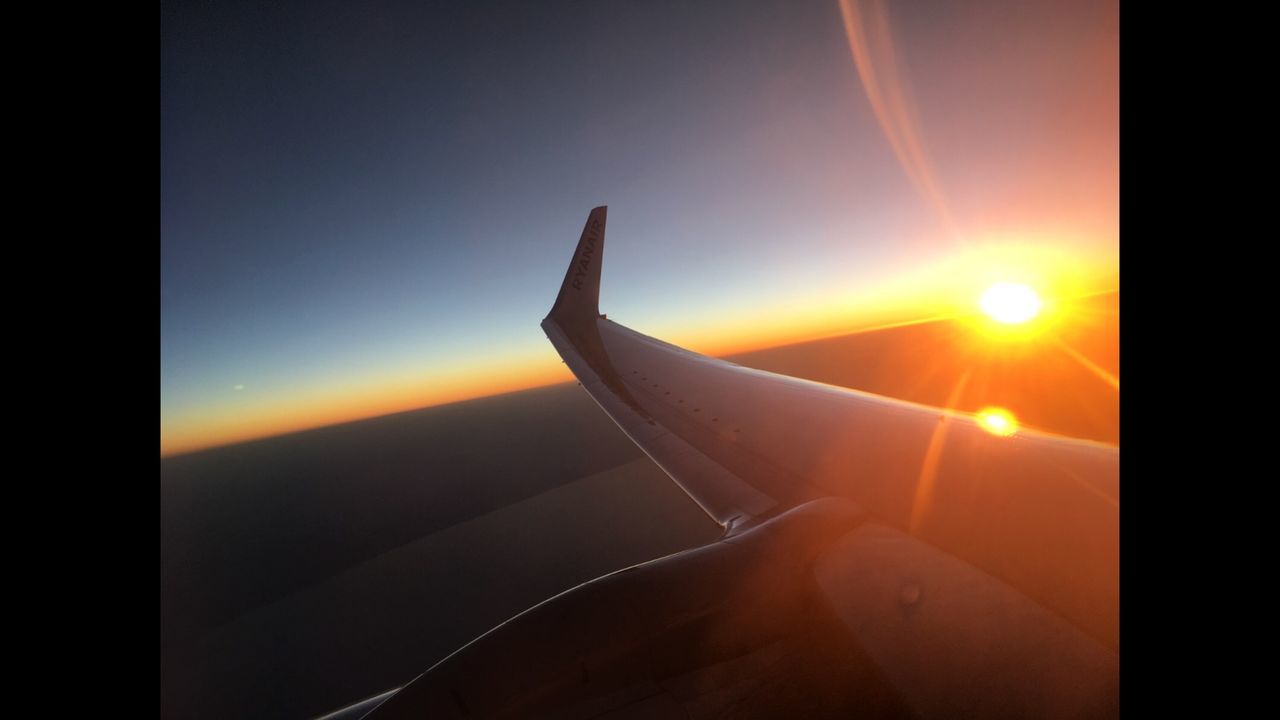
287,413
295,412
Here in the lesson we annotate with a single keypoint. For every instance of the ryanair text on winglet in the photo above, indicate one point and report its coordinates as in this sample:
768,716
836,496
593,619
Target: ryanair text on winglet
588,251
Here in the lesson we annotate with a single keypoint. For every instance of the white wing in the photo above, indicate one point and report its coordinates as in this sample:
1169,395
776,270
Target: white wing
1037,510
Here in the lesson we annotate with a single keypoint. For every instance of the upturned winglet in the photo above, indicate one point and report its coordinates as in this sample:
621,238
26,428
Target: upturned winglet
579,297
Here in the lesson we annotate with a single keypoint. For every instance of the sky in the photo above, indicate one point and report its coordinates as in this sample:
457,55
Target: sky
368,207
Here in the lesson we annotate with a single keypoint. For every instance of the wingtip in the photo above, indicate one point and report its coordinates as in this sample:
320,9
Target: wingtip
580,292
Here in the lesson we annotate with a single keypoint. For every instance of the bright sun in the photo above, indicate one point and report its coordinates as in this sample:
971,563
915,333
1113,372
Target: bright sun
1010,303
997,421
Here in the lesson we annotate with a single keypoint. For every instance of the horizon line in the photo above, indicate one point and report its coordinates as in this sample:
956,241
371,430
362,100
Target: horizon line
721,355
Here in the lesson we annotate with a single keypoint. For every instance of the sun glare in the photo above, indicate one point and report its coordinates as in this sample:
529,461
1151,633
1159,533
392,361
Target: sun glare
1010,303
997,421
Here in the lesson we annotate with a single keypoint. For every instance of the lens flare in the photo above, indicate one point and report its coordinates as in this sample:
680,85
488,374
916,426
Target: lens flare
866,24
1010,303
997,421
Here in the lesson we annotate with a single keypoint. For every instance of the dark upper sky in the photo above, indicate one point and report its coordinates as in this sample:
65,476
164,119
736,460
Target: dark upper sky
368,206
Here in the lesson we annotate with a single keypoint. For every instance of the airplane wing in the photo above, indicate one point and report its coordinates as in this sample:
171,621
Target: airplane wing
878,554
654,391
747,445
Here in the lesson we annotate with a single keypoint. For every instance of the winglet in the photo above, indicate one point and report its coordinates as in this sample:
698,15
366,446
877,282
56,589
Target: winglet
579,296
